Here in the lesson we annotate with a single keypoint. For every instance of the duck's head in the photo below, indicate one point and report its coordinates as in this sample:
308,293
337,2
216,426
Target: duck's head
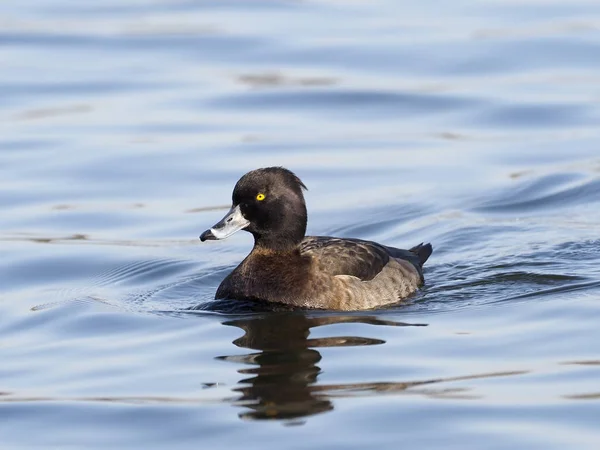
268,203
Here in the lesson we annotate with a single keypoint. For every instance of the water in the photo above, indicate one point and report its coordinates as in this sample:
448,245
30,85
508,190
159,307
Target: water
472,126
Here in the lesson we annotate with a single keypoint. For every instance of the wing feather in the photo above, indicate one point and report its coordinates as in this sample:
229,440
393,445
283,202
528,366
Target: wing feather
352,257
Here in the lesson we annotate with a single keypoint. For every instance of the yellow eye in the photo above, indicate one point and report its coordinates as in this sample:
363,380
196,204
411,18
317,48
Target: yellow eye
260,197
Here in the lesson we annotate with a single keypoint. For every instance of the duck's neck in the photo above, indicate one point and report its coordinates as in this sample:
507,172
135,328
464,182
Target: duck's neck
275,244
282,237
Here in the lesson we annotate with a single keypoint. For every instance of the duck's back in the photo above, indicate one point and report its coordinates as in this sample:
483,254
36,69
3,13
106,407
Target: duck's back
364,274
359,258
339,256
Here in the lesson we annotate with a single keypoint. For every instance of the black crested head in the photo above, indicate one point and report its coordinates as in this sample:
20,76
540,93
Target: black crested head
272,200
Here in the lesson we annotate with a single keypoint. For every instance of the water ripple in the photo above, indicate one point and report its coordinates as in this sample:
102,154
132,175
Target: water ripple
473,125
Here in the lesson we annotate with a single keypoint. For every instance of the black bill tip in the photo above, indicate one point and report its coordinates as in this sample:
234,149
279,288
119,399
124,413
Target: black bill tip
207,236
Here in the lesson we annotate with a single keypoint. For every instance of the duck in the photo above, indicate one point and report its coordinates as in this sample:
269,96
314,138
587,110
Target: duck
286,267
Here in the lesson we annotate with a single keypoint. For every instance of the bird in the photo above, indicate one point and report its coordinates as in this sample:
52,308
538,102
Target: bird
286,267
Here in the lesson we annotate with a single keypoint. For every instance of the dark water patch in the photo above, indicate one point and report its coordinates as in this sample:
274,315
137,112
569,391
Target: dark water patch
225,306
586,286
20,146
577,251
539,115
545,194
70,88
371,222
478,57
522,55
466,240
484,277
349,103
484,287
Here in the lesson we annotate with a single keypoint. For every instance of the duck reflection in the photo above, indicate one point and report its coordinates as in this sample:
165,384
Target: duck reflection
281,382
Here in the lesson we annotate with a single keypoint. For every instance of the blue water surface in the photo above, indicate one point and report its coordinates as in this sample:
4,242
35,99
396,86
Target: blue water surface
471,125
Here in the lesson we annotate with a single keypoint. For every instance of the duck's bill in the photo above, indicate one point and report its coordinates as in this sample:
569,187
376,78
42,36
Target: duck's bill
233,221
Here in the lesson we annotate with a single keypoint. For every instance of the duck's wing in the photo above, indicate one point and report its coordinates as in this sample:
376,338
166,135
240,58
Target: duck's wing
338,256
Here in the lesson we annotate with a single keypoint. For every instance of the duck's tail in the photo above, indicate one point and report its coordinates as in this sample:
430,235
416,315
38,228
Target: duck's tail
423,252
